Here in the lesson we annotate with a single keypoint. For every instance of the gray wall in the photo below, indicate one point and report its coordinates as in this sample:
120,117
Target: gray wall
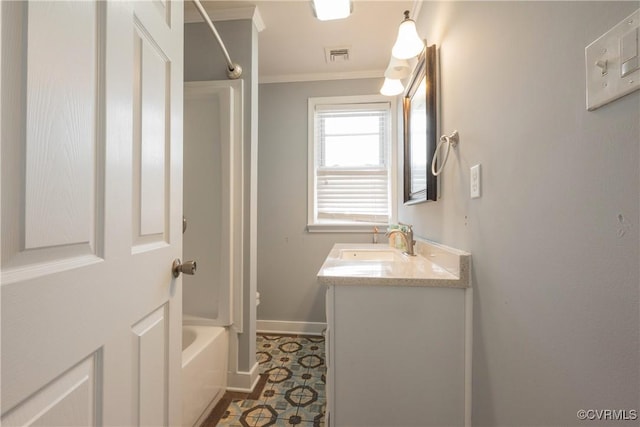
556,319
288,257
203,60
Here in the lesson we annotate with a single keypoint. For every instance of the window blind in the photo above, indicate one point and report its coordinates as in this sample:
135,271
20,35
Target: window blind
351,167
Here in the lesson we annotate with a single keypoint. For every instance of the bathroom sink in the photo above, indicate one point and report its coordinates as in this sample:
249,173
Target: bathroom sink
434,265
371,255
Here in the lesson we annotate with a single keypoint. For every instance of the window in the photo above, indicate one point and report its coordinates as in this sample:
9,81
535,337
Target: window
350,163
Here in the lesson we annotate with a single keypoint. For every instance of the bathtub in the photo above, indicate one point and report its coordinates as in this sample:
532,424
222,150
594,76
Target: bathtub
204,370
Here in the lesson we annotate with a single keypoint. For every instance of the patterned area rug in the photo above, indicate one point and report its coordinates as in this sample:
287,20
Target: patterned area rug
291,391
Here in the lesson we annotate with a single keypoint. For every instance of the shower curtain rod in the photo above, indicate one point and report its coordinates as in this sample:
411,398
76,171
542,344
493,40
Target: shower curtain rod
234,70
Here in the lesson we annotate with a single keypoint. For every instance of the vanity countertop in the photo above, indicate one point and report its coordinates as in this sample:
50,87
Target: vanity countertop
434,265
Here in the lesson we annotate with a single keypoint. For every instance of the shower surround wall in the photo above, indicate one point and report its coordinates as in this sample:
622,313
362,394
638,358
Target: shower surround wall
554,237
204,61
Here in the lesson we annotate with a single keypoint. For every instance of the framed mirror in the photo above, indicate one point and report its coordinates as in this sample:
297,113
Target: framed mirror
420,130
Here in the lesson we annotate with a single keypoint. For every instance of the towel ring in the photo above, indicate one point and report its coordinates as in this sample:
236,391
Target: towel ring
452,139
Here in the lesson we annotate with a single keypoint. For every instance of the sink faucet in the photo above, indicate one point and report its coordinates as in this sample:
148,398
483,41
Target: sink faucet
407,236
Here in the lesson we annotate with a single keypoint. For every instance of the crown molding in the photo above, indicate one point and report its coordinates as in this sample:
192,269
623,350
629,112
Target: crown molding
192,16
313,77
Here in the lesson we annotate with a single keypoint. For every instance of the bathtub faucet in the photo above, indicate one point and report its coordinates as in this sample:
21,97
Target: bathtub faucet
406,233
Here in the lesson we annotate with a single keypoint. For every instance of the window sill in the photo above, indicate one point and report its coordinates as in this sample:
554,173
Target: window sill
364,228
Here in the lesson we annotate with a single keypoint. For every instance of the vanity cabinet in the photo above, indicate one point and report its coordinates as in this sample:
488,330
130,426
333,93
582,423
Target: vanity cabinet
395,355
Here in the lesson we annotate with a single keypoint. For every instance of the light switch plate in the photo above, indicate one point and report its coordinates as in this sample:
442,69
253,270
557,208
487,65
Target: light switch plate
475,181
604,64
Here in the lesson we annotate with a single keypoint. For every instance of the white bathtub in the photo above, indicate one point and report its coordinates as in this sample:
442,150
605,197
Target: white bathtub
204,370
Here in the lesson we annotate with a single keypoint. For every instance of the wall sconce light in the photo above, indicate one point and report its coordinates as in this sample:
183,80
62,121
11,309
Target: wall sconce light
408,44
327,10
396,70
391,87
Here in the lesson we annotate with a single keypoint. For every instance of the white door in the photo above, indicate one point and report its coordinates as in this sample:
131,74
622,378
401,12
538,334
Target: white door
91,149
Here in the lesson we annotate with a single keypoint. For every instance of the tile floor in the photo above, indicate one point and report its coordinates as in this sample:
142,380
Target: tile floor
294,391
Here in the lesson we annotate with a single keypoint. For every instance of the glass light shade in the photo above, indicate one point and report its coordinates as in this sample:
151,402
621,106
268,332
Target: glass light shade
327,10
391,87
408,44
397,69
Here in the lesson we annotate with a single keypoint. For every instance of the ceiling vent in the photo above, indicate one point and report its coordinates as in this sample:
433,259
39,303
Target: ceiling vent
336,54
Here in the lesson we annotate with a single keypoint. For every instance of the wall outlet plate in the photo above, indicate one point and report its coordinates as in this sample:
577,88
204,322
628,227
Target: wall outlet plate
475,181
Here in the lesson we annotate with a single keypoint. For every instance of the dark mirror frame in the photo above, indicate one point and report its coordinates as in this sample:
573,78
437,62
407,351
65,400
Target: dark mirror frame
425,69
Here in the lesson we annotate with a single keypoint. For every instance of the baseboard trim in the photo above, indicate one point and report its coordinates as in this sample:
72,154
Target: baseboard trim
283,327
243,382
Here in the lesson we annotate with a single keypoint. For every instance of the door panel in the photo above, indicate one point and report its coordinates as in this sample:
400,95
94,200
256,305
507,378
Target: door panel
151,340
53,150
61,105
150,139
91,210
69,400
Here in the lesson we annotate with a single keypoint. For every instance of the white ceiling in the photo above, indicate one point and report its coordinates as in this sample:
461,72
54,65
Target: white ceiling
292,45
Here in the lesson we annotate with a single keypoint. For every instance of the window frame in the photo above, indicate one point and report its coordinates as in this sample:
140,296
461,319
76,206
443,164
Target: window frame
313,224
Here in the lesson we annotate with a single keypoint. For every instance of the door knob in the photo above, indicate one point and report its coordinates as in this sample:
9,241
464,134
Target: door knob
188,267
